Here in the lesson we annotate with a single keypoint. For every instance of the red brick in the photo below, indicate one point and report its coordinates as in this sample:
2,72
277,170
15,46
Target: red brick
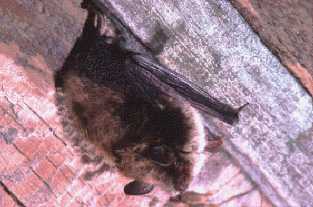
105,200
6,200
36,147
77,204
23,183
64,200
67,172
54,144
59,182
27,186
28,146
49,145
179,204
3,164
10,159
57,158
50,203
101,187
77,186
105,185
6,119
2,141
42,197
74,162
45,169
68,200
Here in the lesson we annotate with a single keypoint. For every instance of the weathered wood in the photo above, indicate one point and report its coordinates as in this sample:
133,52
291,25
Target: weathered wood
48,28
286,28
210,43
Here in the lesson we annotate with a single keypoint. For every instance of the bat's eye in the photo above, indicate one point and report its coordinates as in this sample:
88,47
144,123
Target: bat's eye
161,155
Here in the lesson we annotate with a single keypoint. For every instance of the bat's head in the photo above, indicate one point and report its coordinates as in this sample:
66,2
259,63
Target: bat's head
165,144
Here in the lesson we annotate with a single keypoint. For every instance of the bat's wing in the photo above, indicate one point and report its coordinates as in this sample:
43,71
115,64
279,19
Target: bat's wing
148,78
193,93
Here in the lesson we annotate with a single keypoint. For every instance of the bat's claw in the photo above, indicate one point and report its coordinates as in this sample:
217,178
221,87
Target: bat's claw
100,24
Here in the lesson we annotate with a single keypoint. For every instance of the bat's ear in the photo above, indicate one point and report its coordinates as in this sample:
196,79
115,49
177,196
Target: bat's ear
137,188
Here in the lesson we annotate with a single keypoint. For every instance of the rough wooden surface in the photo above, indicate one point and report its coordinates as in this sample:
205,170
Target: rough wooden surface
210,43
37,166
46,28
287,28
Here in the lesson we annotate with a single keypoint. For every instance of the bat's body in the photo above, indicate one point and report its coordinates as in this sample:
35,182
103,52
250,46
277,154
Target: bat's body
154,144
139,114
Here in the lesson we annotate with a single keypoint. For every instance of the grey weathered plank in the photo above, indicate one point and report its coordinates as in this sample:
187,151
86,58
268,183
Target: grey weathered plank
41,27
286,27
211,44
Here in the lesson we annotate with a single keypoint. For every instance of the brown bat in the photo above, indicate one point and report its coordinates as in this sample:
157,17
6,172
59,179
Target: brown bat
144,117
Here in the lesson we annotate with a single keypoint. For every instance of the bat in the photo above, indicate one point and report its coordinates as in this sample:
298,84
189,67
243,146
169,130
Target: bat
144,118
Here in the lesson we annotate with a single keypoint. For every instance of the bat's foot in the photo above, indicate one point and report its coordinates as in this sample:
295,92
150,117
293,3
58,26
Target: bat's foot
94,18
100,24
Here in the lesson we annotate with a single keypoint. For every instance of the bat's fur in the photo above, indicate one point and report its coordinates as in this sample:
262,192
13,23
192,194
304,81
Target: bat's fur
148,135
130,131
